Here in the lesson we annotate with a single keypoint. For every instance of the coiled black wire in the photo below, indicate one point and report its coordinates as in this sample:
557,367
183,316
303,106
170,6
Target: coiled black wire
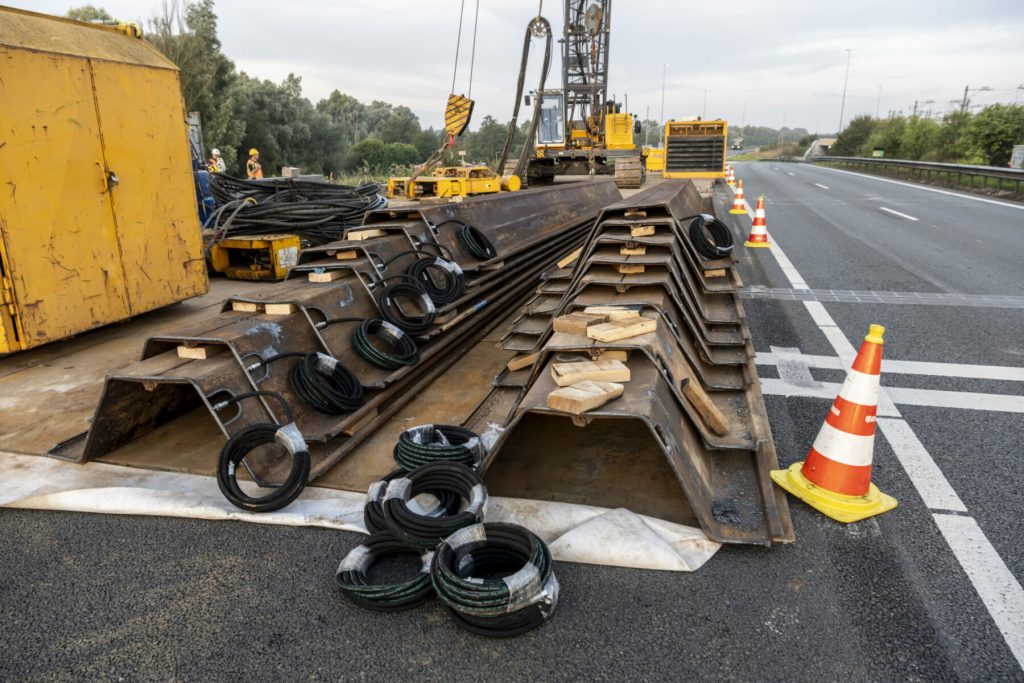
447,502
472,241
470,579
424,531
424,444
244,442
409,290
336,392
441,278
352,575
720,243
401,347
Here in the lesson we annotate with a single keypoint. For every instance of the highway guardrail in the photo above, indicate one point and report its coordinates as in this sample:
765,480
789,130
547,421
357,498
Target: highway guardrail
930,171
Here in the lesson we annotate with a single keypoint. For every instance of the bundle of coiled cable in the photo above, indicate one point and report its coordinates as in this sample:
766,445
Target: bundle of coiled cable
433,443
352,575
322,382
390,297
710,237
255,436
497,579
423,531
472,241
431,504
442,279
401,348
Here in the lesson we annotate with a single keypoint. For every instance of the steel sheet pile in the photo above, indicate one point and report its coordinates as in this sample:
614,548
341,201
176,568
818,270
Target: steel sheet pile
318,362
648,327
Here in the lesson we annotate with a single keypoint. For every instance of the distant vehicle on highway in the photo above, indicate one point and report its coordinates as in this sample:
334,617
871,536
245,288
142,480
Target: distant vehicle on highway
737,144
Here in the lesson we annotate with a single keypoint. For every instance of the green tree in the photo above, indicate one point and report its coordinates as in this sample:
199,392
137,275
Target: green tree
920,140
854,137
401,125
994,131
89,13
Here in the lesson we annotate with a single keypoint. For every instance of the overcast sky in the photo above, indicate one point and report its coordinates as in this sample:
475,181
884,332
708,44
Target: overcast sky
765,63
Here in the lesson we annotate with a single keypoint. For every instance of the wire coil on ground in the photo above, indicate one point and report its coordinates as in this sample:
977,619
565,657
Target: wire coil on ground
432,443
352,575
716,242
497,579
437,478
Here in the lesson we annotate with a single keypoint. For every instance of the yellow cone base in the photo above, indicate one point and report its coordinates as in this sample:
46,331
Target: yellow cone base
839,507
762,245
738,211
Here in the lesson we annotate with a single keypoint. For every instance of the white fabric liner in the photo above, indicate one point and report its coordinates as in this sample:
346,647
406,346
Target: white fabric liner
576,533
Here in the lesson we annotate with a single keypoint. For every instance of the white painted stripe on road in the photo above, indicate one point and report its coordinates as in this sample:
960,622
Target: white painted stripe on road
931,483
897,213
791,366
788,173
926,188
996,585
1005,373
927,398
796,281
824,187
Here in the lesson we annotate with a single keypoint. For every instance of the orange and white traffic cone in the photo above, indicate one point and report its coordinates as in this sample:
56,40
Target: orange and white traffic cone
836,477
737,200
759,230
730,175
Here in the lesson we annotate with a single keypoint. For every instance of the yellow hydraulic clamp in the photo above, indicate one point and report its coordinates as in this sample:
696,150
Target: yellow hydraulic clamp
453,181
255,257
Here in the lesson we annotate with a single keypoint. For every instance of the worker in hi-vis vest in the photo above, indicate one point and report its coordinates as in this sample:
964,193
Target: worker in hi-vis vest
252,167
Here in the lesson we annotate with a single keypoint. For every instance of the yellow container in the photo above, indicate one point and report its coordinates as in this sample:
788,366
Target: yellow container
655,158
618,131
98,215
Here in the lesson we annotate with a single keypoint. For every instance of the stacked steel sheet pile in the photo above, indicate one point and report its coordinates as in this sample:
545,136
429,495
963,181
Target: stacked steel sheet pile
648,327
319,361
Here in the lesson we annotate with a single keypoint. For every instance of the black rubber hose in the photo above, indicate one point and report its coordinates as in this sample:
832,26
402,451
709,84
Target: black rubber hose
322,382
352,575
716,242
441,279
472,241
446,502
401,347
237,448
390,296
497,579
423,531
433,443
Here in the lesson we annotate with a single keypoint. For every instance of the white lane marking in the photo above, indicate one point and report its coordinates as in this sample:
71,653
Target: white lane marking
982,564
996,585
791,365
788,269
824,187
1004,373
926,188
897,213
788,173
935,489
928,398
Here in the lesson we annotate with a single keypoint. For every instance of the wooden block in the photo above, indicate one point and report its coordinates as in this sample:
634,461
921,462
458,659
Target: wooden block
633,251
198,352
715,272
567,374
584,396
244,307
577,323
621,329
570,258
613,312
628,268
635,213
613,354
279,309
347,254
641,230
365,234
520,362
327,276
709,412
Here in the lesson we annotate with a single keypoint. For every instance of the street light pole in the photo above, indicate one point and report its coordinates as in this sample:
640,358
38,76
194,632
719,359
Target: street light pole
846,78
878,104
664,74
705,114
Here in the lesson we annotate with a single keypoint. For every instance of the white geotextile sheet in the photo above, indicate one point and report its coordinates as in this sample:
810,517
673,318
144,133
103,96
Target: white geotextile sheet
576,533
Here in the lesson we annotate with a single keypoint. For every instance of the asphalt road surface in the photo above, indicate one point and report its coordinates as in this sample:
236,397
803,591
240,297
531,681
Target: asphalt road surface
927,591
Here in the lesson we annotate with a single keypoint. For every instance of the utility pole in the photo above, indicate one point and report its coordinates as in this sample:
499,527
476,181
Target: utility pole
647,126
705,114
846,79
915,108
878,103
963,104
664,74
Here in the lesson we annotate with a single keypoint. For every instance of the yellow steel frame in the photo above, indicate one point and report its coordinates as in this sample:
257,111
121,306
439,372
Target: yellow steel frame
714,127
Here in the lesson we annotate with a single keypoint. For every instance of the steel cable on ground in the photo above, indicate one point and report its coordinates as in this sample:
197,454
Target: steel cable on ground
352,576
256,436
496,579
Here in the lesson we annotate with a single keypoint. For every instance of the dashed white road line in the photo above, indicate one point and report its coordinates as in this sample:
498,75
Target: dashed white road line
926,188
927,398
824,187
788,173
897,213
998,589
901,367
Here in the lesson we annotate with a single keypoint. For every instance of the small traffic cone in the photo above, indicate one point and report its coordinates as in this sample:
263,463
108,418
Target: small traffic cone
730,175
759,230
737,200
836,477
